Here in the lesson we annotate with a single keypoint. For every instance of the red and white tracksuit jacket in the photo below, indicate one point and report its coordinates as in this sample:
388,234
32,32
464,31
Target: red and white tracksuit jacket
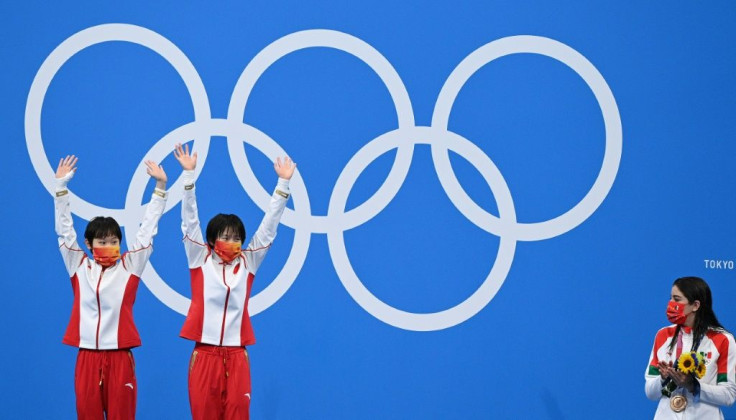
717,387
218,314
102,314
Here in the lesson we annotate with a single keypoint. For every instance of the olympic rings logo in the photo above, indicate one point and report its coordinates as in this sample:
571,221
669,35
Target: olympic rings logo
337,219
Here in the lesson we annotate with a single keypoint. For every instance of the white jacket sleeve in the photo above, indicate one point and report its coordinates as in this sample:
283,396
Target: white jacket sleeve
653,380
194,244
266,232
72,254
653,388
723,393
135,259
652,377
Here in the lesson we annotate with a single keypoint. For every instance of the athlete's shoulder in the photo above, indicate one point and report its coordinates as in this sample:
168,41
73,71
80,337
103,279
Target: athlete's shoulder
667,331
717,334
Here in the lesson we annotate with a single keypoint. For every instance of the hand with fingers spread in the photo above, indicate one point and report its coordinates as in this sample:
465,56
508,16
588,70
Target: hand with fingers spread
65,171
66,165
157,172
284,169
188,162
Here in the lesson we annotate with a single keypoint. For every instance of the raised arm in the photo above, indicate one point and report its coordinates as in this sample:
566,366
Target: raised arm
135,259
266,232
194,244
68,246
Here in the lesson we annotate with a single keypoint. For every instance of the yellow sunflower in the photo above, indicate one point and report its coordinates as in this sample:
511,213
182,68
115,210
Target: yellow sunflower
686,363
700,371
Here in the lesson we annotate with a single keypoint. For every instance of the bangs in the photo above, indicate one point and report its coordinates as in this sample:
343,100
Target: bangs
102,227
224,223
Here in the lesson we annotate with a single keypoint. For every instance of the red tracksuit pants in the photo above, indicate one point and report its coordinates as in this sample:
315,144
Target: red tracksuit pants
104,383
219,383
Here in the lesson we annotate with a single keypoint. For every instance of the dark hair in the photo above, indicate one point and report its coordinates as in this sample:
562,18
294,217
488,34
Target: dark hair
695,288
222,223
102,227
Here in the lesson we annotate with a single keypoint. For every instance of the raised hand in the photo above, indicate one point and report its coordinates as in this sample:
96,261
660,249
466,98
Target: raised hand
188,162
284,169
66,165
156,172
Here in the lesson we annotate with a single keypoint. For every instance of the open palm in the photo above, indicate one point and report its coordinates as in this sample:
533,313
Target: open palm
284,169
66,165
188,162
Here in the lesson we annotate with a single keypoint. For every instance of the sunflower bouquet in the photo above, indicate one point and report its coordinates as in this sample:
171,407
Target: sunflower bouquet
690,363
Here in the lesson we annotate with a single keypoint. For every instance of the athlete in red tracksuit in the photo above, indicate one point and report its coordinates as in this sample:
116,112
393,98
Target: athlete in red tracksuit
218,320
101,323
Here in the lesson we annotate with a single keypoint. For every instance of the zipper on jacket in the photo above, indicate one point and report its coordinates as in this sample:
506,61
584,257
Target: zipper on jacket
227,298
99,313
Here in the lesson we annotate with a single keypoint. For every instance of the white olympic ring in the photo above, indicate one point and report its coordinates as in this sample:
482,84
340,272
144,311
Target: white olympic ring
337,219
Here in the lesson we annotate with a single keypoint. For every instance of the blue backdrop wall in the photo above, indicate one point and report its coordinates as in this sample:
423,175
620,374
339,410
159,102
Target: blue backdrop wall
493,198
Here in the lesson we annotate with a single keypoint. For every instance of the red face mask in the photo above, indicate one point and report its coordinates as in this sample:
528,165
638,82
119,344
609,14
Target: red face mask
106,255
676,312
228,251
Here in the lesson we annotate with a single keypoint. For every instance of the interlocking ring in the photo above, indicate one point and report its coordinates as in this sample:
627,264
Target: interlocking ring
337,220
